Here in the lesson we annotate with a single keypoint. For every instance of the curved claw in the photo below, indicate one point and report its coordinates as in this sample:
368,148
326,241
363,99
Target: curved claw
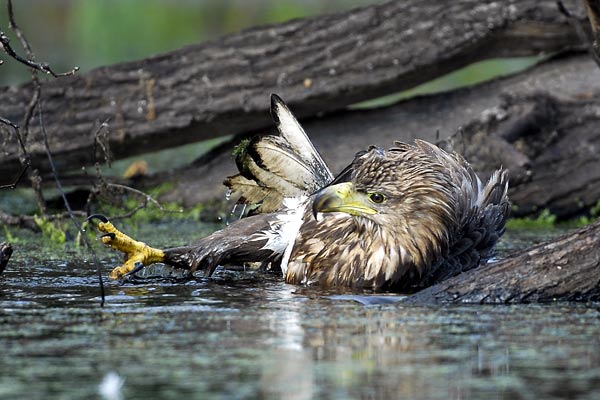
97,216
111,235
135,252
138,267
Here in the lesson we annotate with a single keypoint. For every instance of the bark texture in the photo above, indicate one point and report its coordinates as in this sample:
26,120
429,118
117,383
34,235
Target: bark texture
565,269
317,65
541,124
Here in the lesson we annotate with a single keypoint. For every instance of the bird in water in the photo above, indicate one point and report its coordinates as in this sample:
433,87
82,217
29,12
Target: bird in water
397,220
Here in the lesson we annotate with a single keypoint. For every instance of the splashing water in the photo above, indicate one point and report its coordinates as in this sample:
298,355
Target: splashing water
234,215
231,213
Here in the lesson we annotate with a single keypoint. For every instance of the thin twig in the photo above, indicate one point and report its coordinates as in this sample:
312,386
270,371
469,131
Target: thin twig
67,205
146,196
26,162
22,134
9,123
30,62
146,199
12,186
33,104
35,98
101,139
131,212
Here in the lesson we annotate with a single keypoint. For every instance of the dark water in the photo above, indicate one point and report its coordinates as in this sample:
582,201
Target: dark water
248,335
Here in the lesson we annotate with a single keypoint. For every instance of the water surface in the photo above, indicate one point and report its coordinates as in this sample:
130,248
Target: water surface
249,335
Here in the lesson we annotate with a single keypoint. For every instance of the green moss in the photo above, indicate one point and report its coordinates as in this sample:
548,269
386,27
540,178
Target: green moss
240,149
543,221
595,211
547,220
51,230
10,237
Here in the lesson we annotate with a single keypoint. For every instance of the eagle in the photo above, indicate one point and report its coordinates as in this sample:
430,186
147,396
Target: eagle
393,220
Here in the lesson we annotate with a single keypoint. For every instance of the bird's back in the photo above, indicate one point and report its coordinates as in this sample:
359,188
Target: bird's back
482,212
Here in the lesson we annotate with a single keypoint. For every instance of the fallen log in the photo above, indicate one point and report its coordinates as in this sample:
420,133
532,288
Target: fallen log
317,64
564,269
540,124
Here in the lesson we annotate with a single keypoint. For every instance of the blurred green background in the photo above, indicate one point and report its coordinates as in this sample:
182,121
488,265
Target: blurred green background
92,33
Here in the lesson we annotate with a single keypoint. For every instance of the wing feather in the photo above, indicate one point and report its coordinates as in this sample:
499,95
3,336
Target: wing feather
281,166
291,130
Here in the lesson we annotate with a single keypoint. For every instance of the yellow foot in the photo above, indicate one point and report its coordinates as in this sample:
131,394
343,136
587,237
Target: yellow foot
136,253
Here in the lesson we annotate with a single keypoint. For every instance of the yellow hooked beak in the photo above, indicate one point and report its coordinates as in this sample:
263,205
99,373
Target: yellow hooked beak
342,198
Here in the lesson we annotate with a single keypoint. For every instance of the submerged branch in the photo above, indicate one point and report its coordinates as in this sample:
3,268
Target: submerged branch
5,253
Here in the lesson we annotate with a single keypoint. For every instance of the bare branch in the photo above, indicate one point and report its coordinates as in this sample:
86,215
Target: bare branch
9,123
26,163
146,196
101,139
67,205
30,62
35,103
13,185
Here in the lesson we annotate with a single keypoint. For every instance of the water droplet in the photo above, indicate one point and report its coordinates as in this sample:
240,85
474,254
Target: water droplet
231,213
228,194
243,211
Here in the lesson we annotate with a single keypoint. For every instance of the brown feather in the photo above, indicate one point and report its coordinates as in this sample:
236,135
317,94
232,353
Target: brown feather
436,217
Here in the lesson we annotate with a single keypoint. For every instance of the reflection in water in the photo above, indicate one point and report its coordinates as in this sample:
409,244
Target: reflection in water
111,387
249,335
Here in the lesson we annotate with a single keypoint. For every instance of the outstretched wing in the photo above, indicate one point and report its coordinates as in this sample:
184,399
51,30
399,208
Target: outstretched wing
276,167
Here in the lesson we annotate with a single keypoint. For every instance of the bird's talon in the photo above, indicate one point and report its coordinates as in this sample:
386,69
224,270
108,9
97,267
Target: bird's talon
136,253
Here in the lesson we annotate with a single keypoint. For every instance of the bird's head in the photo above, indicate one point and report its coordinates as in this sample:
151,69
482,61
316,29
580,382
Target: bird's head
405,194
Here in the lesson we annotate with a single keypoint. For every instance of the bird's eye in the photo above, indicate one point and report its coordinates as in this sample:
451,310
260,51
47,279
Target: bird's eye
376,197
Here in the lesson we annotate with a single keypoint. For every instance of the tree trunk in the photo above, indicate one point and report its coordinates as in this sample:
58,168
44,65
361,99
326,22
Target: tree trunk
317,64
564,269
